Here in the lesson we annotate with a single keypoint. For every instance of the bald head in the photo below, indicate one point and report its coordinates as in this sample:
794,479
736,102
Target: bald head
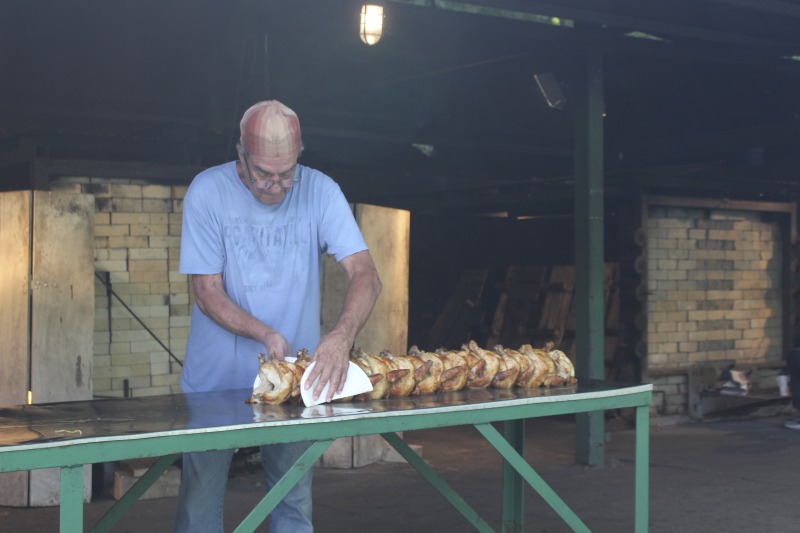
270,132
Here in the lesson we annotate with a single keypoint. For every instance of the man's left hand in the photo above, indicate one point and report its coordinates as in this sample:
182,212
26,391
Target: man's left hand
331,363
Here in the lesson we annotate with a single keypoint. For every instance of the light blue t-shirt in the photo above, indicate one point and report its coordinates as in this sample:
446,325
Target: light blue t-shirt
270,257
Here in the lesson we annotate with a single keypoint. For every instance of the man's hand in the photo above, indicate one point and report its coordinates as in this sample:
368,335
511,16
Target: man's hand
333,351
212,299
276,344
331,363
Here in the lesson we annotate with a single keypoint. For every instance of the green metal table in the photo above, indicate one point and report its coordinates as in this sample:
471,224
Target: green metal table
72,434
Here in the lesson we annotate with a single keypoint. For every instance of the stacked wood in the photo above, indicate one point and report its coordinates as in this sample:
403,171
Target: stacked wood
462,312
537,304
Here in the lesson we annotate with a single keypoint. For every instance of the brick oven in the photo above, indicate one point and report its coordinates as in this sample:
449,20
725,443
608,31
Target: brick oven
714,291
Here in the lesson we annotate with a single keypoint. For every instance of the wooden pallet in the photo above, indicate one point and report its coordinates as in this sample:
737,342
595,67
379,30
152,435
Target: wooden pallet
537,305
461,312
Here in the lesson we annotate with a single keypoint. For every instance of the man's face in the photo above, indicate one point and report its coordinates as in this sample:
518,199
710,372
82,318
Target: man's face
267,182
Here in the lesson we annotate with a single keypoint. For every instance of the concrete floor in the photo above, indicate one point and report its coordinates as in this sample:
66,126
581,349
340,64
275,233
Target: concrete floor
734,475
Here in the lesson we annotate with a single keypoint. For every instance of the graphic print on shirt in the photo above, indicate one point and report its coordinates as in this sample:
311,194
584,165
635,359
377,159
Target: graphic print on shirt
269,252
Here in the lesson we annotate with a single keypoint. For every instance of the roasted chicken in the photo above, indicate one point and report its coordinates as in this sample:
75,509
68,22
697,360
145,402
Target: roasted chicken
421,372
432,379
402,373
276,381
484,366
456,369
377,369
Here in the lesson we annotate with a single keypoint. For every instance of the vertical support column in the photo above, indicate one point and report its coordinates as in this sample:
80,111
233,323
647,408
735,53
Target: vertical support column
589,247
513,483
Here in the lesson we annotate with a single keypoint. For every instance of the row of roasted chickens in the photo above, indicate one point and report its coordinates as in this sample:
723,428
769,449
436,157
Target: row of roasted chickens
420,372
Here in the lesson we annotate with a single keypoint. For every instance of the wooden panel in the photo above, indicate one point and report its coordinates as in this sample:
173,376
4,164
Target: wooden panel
538,305
453,325
521,304
62,325
387,233
62,314
558,302
15,261
14,273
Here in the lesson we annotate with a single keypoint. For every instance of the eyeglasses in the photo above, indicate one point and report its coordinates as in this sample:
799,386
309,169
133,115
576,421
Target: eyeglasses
286,179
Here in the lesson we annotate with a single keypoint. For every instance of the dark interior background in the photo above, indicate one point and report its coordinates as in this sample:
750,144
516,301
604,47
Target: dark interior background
442,117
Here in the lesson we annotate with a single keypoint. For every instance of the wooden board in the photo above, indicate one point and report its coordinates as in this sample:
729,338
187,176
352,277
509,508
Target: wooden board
521,304
62,314
47,320
387,234
537,305
15,260
452,327
62,288
558,302
15,214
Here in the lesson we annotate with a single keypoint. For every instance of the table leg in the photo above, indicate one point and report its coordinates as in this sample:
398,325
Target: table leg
641,484
304,463
513,484
71,499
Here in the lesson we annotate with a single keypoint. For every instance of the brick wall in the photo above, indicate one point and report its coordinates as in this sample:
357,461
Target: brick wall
714,293
137,243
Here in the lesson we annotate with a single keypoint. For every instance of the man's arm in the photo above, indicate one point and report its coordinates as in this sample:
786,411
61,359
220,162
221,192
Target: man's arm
333,351
215,303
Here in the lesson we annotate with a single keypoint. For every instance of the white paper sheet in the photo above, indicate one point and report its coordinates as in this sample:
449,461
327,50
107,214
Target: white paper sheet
357,382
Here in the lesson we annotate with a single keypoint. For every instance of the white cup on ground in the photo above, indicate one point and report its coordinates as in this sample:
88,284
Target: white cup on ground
783,385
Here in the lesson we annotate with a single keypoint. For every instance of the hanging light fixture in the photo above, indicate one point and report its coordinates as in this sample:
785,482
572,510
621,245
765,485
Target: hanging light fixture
371,23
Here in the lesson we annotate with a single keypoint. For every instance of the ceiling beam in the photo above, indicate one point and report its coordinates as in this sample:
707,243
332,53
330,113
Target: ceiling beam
549,148
713,143
776,7
492,10
539,11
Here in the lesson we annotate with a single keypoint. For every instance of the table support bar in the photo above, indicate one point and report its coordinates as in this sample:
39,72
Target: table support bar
438,483
529,474
134,493
303,464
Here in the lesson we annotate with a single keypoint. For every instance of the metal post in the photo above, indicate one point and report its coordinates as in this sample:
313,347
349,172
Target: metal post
642,480
589,246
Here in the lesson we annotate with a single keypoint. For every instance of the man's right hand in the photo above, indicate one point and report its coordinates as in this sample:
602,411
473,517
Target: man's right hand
212,299
276,344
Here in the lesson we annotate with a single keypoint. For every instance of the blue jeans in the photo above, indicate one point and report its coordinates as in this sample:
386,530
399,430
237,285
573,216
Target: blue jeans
204,480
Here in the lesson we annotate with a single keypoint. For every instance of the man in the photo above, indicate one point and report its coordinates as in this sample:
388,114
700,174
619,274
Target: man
253,235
